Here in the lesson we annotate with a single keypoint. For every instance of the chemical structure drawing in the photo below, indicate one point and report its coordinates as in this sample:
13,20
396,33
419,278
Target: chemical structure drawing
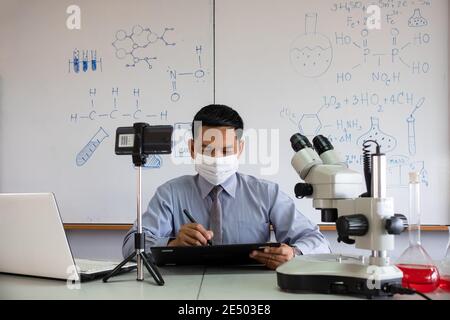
132,46
308,124
182,132
77,63
398,168
88,150
387,142
198,74
417,20
396,53
411,121
311,124
311,53
137,113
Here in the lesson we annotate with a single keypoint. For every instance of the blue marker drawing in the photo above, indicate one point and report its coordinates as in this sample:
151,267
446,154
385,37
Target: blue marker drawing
181,134
85,61
93,60
87,57
132,46
88,150
153,162
398,167
411,135
75,61
386,141
411,121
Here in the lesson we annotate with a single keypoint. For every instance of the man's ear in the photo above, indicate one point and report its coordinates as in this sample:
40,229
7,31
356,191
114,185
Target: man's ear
191,148
241,147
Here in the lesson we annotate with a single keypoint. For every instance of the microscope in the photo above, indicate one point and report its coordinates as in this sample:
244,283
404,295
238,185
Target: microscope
366,220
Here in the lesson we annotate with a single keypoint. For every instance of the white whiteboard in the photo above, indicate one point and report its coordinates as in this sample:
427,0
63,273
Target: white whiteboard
145,60
46,106
309,66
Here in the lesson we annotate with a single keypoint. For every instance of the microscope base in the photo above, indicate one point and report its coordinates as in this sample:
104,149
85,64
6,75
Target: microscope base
336,274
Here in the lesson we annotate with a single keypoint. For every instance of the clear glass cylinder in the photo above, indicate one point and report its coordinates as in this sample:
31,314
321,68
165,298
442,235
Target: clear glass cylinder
419,271
444,269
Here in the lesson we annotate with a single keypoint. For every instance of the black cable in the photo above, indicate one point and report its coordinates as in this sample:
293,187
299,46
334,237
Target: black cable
422,295
367,164
398,289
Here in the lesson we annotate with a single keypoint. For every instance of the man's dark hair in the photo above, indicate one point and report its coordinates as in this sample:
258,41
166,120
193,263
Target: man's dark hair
218,115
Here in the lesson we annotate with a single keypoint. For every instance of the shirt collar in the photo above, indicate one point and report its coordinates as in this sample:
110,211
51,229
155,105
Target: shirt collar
228,185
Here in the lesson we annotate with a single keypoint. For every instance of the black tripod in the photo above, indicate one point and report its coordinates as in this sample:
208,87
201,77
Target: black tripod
139,159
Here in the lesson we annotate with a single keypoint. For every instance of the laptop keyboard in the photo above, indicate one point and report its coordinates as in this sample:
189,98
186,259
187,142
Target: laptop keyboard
93,266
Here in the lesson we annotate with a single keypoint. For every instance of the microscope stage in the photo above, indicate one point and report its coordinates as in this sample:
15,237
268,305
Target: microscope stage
336,274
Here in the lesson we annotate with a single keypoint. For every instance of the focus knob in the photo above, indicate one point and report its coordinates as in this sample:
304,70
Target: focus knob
352,225
396,224
303,190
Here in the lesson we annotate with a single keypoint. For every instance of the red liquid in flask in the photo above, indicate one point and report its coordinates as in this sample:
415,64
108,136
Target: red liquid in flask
444,283
423,278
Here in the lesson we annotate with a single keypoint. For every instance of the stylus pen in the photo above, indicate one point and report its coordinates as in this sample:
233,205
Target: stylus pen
192,220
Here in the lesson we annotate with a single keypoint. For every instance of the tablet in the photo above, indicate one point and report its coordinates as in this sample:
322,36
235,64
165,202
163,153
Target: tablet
227,254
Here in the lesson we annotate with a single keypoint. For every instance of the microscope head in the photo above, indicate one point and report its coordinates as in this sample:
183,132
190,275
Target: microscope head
326,176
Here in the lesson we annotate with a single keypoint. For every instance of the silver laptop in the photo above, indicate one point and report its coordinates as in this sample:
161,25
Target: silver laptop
33,241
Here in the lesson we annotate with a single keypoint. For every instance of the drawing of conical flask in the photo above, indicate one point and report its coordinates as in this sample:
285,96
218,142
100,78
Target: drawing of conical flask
387,142
311,53
417,20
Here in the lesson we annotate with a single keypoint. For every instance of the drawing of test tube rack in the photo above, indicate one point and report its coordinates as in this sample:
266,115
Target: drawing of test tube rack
88,150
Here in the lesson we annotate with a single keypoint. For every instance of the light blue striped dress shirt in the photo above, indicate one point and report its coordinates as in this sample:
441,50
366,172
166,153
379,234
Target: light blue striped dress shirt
249,206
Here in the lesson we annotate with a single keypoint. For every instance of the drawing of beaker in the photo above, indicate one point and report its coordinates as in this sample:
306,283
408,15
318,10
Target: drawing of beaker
311,53
387,142
85,154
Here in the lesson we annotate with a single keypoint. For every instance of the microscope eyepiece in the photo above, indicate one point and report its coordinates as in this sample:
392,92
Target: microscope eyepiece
299,142
322,144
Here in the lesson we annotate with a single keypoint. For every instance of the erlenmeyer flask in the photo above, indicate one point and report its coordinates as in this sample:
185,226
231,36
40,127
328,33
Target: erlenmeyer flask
444,269
419,271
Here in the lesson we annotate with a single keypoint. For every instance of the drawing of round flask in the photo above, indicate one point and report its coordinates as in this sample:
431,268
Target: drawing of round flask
311,53
417,20
444,269
419,271
387,142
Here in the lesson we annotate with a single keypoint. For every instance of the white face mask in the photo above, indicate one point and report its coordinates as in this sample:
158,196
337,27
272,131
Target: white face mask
216,170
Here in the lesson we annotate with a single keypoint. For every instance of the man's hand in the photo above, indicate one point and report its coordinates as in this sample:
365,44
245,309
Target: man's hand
272,257
192,234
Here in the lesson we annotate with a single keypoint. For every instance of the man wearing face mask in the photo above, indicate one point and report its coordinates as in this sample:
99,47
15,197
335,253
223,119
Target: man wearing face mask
229,207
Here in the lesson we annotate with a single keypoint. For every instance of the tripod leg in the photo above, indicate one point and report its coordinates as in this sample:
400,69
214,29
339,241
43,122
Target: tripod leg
119,266
152,268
